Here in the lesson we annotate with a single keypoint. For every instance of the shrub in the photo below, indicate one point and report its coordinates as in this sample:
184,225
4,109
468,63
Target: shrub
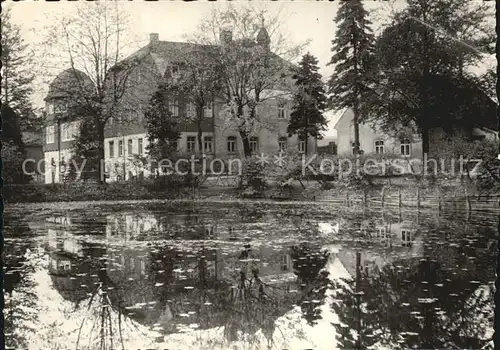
253,174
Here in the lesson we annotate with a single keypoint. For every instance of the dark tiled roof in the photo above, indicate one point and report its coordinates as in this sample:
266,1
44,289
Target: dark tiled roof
68,82
32,138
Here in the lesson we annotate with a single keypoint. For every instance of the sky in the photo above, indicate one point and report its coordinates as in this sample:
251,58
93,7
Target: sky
303,20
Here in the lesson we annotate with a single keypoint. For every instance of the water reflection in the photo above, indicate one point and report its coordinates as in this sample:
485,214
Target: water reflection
423,281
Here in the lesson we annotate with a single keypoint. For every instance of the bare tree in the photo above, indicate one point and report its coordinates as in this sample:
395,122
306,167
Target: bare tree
94,40
254,58
17,71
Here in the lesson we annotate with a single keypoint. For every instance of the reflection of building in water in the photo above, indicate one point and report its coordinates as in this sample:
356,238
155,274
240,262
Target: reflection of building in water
403,233
131,225
273,265
60,239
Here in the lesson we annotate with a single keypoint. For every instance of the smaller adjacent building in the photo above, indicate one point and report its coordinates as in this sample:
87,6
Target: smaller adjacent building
373,140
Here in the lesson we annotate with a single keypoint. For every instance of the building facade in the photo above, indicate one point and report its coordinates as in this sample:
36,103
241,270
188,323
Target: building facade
373,140
126,142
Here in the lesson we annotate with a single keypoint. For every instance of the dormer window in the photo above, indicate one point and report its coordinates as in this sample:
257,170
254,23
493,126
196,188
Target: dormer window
174,69
207,110
173,107
281,110
60,108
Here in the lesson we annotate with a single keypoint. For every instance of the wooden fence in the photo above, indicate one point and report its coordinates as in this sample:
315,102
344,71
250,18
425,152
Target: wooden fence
436,200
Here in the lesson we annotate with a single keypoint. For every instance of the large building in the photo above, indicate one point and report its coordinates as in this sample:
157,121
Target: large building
126,141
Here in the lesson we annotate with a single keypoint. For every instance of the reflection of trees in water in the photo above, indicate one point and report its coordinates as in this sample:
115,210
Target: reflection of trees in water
19,298
309,262
412,303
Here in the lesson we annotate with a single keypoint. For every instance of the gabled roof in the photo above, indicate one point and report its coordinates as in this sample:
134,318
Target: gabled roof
32,138
341,113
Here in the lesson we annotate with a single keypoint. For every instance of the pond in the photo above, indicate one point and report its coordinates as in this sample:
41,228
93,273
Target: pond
246,276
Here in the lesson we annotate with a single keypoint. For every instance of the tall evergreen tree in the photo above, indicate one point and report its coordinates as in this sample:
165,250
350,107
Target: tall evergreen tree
161,125
17,72
85,150
423,81
310,101
352,47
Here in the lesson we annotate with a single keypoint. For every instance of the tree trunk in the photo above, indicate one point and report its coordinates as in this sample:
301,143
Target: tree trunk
199,120
305,143
246,144
100,153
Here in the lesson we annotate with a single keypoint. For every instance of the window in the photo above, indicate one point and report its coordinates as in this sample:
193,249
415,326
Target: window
139,146
130,146
132,263
281,110
120,148
207,144
379,147
231,144
111,149
254,144
302,145
285,262
190,144
406,238
143,267
207,110
49,137
381,232
282,144
175,69
173,107
190,110
405,147
60,108
67,131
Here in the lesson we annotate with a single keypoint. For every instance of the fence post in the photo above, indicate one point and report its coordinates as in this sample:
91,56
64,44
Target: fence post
439,200
418,197
399,197
467,199
383,196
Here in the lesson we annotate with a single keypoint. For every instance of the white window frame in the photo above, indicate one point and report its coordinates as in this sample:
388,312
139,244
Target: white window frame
49,134
302,146
140,146
60,108
407,238
207,110
231,144
130,146
282,144
208,144
190,109
282,112
254,144
111,145
405,147
285,262
190,143
379,146
120,148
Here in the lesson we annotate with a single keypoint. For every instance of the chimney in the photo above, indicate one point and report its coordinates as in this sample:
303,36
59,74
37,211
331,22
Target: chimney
226,36
153,39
